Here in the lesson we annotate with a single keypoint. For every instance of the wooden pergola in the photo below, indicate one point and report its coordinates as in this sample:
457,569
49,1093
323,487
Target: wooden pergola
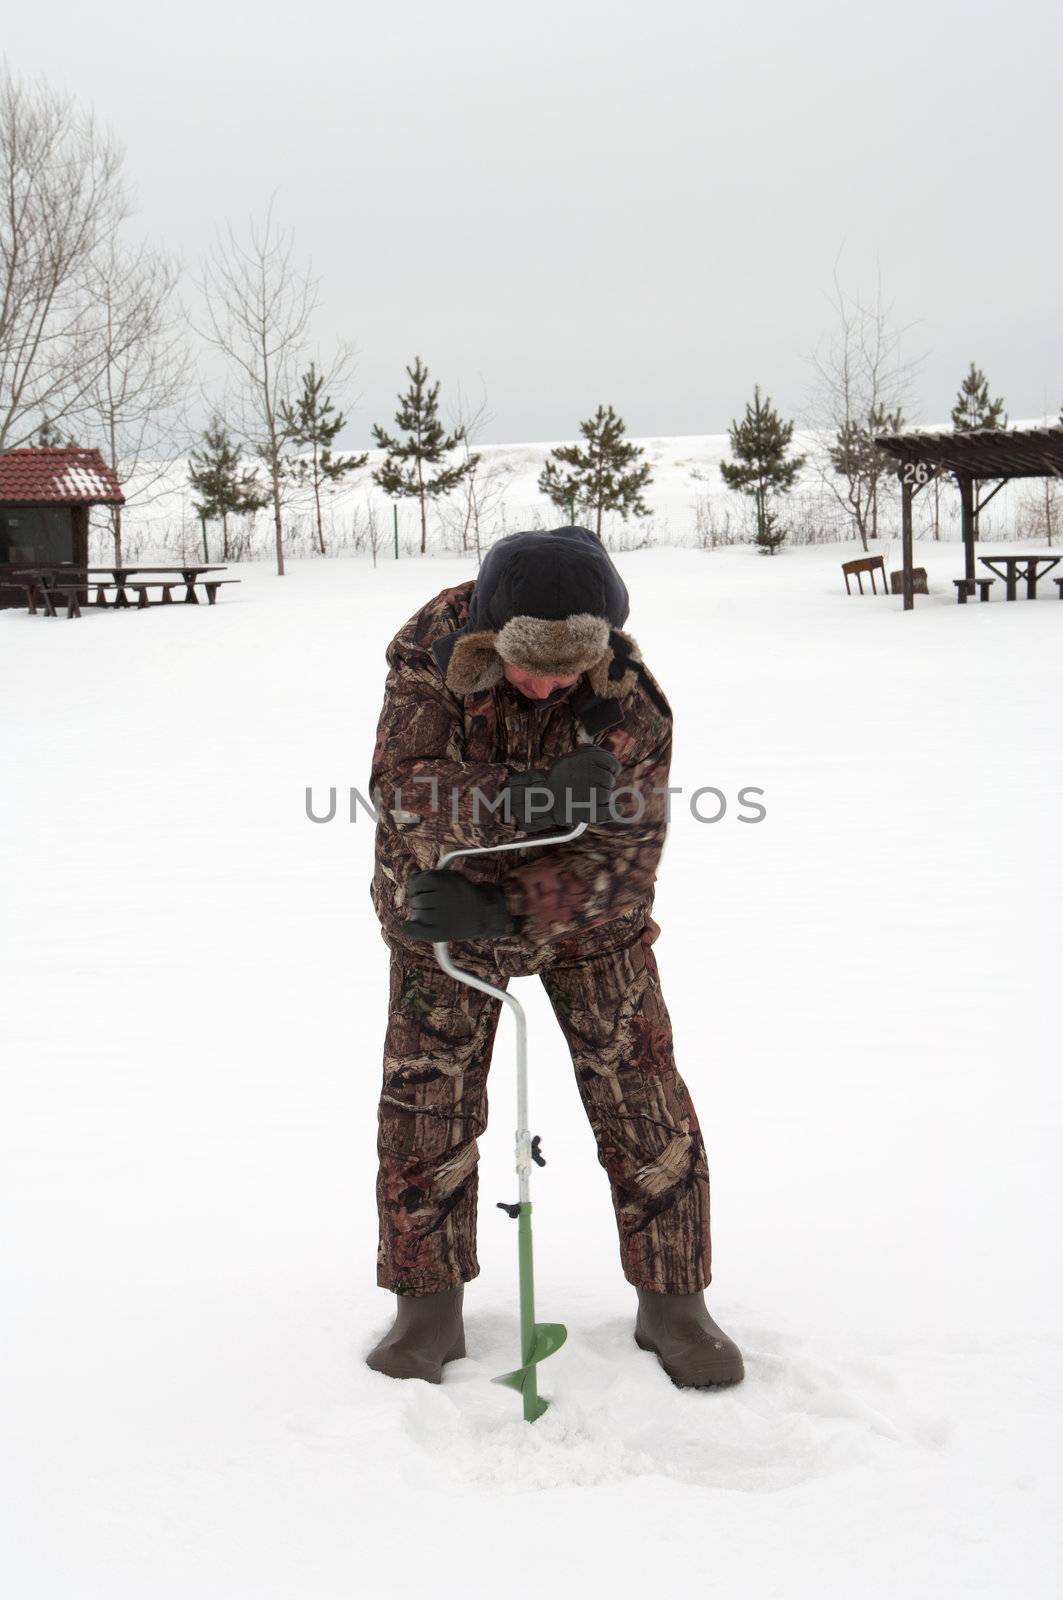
993,455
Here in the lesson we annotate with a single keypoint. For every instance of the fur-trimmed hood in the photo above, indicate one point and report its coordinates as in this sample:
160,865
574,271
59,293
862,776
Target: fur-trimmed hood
472,662
550,602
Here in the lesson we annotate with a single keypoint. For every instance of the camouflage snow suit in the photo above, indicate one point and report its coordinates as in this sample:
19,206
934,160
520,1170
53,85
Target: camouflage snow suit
586,930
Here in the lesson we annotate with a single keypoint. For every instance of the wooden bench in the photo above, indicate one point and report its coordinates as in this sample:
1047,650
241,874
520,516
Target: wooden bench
212,585
870,565
37,592
32,589
965,585
167,586
67,591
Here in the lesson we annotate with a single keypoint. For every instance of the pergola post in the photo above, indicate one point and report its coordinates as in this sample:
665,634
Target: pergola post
966,484
906,542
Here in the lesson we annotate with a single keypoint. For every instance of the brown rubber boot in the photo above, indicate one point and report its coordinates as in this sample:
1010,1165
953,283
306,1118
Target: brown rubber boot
694,1352
427,1332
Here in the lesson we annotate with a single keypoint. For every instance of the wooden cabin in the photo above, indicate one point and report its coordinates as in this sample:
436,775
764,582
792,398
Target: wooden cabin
45,495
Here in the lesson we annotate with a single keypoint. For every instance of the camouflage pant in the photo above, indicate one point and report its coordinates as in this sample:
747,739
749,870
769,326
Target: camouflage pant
433,1107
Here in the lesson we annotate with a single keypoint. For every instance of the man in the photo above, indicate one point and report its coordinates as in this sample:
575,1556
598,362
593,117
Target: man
516,705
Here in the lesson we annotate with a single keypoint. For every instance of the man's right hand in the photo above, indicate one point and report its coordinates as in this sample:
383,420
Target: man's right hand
575,789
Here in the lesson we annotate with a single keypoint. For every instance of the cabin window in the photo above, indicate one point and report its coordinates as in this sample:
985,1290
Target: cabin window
34,534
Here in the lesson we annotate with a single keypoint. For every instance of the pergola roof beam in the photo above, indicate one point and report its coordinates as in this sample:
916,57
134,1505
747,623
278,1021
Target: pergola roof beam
982,452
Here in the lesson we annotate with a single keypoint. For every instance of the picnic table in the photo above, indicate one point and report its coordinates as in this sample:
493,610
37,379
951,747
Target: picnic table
47,582
1030,567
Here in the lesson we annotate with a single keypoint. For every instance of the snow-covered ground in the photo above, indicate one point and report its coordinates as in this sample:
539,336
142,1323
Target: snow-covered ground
866,1001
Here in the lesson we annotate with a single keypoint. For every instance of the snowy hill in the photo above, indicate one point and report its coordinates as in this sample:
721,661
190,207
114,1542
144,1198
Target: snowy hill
689,504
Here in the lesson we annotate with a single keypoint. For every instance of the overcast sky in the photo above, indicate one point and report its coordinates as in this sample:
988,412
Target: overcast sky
569,202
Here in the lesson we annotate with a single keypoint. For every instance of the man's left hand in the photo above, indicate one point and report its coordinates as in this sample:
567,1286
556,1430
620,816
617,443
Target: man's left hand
446,906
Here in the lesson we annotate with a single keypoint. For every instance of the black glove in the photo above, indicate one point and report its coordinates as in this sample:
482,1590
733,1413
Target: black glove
446,905
576,789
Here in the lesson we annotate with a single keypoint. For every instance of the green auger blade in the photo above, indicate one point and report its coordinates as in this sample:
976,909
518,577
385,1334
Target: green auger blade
537,1339
548,1337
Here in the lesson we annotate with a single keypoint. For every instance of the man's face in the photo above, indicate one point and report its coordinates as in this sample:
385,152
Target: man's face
535,688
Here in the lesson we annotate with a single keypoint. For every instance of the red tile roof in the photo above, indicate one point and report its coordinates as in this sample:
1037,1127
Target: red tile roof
57,475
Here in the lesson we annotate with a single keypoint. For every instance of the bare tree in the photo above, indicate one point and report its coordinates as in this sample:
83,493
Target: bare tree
482,489
1040,509
1051,505
1041,504
258,311
374,534
137,396
935,517
862,384
61,201
710,530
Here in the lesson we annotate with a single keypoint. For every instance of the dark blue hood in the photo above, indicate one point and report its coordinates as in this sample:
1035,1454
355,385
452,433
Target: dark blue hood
549,574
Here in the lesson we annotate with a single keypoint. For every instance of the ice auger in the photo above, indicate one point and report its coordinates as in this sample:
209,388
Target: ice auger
537,1339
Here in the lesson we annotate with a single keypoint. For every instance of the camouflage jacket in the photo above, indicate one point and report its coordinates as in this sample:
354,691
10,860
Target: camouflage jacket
441,761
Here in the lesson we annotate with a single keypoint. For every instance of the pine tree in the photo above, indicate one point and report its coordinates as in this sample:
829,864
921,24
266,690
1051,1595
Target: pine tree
403,473
974,409
313,423
759,444
769,536
608,475
855,457
49,436
221,486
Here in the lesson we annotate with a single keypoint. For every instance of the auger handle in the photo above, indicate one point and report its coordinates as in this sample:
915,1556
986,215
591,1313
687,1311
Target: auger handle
538,1340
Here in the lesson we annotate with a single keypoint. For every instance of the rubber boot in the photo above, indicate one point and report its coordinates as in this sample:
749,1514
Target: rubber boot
427,1332
695,1353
